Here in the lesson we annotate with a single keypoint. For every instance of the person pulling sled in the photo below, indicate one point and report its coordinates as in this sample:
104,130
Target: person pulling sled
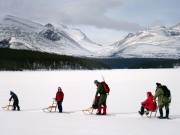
102,90
164,99
15,101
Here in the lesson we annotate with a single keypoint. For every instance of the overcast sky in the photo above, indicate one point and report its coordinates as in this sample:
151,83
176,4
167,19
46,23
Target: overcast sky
103,21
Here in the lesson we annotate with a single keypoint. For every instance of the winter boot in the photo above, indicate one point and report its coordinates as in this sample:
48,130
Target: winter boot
104,110
99,110
167,114
161,114
141,112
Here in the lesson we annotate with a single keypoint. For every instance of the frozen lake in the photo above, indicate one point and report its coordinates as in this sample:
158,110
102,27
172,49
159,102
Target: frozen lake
128,89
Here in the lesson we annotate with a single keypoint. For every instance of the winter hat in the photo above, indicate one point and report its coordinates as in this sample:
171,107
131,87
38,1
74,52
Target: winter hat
11,92
96,82
158,84
149,93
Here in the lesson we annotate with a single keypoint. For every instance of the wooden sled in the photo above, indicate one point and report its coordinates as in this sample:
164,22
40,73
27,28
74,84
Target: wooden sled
88,110
150,112
52,107
93,107
8,107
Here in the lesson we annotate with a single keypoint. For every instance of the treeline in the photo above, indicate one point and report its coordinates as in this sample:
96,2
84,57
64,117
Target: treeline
18,60
137,63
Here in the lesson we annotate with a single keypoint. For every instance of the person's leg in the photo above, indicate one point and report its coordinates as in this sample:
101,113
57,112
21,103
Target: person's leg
161,111
14,105
100,103
167,111
17,105
104,105
59,106
141,112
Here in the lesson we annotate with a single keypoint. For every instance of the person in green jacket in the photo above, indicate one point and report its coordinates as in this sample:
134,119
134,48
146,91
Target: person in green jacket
162,101
102,99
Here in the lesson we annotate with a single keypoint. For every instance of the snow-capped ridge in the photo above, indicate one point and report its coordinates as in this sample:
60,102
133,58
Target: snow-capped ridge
176,27
153,42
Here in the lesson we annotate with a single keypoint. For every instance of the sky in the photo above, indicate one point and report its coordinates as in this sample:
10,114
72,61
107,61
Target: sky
103,21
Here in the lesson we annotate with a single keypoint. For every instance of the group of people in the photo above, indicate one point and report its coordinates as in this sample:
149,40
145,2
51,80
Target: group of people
149,104
59,99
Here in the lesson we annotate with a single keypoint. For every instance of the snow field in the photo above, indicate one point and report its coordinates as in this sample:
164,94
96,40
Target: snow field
128,88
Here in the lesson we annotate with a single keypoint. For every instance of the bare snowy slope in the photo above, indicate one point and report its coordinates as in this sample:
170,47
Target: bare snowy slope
155,42
24,34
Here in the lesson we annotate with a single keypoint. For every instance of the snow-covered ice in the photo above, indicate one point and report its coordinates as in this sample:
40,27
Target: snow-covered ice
128,88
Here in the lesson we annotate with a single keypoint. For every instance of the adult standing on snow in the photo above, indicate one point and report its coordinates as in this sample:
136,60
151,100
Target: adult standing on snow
162,101
148,104
59,98
102,98
16,101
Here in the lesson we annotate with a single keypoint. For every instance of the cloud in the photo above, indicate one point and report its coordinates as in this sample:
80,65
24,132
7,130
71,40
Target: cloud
72,12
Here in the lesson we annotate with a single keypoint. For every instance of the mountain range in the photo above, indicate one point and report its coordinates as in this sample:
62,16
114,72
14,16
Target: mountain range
154,42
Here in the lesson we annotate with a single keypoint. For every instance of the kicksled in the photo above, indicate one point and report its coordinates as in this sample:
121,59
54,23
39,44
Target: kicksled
91,109
52,107
8,107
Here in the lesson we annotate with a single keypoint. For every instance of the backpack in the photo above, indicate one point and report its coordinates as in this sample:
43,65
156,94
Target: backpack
105,87
166,91
167,94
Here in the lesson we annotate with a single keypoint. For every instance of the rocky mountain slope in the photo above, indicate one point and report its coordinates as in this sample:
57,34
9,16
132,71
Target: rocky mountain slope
154,42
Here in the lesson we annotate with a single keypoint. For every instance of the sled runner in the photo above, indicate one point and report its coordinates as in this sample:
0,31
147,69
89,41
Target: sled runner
8,107
93,107
88,110
52,107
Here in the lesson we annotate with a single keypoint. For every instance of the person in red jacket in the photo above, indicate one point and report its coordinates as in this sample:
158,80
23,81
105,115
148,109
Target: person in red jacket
59,98
148,104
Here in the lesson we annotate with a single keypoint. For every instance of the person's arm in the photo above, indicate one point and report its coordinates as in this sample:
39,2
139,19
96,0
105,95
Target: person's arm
144,102
158,92
11,98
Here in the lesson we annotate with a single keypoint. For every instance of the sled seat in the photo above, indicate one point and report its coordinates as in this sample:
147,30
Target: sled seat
150,112
52,107
9,106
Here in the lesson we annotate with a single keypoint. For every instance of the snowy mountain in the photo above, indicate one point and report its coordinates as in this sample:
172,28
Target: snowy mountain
18,33
154,42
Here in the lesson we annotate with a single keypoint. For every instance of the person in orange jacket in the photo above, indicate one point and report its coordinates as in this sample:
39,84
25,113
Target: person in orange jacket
148,104
59,98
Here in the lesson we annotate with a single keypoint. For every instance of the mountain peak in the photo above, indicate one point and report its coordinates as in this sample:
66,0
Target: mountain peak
176,27
49,25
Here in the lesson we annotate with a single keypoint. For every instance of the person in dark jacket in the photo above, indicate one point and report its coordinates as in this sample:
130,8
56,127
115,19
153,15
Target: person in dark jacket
16,101
162,101
102,98
59,98
148,104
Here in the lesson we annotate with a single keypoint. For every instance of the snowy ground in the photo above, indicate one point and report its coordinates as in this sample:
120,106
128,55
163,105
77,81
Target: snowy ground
128,89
